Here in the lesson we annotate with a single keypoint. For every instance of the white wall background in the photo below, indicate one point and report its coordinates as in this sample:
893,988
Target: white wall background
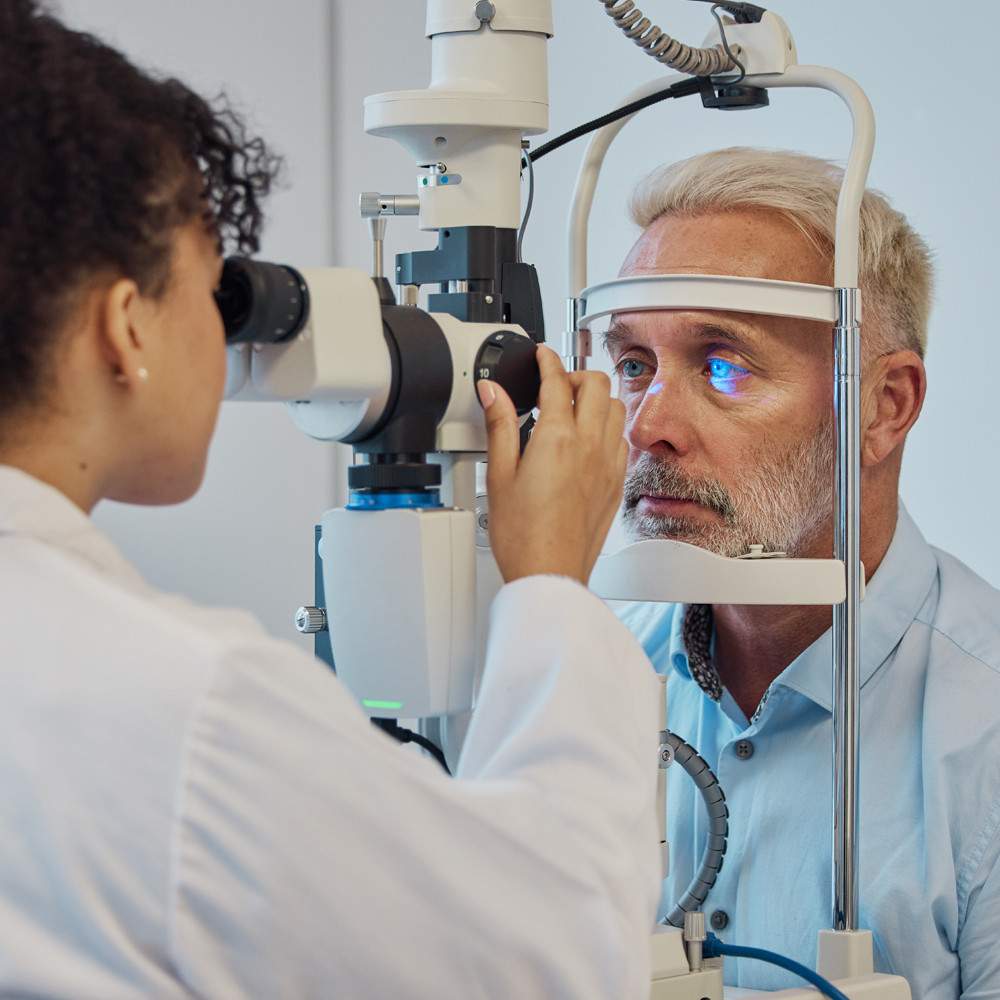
302,70
246,538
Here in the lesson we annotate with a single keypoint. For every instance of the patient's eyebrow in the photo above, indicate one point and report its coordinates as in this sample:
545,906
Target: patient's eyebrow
617,335
741,336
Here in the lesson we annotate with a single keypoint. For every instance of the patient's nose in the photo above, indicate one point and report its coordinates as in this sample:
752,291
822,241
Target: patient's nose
659,423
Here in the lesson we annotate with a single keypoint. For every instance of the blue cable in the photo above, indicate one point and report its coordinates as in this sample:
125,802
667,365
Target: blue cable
713,948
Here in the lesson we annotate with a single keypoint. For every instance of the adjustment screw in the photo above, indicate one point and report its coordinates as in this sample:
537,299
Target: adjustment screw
485,11
370,204
309,619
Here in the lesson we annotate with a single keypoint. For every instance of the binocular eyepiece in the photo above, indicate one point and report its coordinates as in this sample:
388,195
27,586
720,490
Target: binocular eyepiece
261,303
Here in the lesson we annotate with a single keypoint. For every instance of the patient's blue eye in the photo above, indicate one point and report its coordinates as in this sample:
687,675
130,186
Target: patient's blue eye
724,375
631,368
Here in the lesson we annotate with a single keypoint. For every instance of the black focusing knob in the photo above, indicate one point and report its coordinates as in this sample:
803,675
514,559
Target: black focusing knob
511,360
394,476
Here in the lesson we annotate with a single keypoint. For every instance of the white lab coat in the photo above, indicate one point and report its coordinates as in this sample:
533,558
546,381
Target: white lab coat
193,808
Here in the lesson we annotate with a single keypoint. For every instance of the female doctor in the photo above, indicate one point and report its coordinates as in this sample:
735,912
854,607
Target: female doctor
190,807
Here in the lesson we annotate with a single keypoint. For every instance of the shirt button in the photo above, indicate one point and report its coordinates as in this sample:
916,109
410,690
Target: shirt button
719,920
744,749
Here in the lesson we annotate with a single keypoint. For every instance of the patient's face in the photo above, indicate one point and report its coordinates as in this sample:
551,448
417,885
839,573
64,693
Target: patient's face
729,414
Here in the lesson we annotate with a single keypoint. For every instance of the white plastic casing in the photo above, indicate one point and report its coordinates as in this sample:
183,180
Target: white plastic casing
419,653
675,572
766,47
762,296
446,16
337,373
489,88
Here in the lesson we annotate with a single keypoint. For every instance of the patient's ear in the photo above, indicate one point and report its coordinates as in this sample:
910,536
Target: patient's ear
893,394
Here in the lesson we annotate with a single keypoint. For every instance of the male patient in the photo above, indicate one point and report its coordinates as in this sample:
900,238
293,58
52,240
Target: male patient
731,444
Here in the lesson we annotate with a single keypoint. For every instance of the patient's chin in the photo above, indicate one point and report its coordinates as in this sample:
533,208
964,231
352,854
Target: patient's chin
716,538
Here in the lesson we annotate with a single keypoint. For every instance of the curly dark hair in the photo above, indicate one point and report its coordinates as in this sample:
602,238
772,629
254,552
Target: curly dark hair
101,162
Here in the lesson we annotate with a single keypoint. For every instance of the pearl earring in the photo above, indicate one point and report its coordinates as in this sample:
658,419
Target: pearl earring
143,375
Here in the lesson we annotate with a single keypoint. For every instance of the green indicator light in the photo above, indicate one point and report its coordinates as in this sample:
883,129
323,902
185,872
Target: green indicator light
372,703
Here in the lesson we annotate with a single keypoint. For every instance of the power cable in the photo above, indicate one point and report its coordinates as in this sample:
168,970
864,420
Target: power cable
402,735
714,948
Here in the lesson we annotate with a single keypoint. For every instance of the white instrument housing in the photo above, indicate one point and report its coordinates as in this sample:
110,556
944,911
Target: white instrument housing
336,374
421,660
489,88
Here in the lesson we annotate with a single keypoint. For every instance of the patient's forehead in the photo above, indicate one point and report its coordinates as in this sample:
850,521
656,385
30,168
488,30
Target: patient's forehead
752,243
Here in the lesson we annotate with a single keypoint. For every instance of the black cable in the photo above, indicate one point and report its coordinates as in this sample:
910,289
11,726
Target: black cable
682,88
527,208
402,735
744,13
726,48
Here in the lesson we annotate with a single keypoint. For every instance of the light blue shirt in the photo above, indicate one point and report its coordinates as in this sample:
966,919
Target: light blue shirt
930,782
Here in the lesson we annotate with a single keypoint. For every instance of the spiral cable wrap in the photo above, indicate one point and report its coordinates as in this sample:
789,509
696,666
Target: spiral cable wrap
656,42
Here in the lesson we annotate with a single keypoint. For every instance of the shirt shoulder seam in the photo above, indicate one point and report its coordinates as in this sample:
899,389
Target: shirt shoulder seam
950,638
987,835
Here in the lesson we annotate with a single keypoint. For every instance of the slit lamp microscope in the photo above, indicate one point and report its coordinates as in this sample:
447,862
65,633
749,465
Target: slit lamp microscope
358,361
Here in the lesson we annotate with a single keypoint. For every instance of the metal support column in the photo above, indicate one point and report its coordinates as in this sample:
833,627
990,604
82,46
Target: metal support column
846,645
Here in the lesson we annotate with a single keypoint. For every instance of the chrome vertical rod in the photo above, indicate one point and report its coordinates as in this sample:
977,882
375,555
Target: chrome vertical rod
846,636
577,342
377,226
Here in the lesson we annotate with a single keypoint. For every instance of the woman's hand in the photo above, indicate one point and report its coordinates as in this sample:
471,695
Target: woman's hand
550,509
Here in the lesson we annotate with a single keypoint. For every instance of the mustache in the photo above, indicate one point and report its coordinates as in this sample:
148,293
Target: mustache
653,477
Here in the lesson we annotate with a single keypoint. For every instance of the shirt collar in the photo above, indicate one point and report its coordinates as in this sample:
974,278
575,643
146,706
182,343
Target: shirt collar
31,508
677,652
893,597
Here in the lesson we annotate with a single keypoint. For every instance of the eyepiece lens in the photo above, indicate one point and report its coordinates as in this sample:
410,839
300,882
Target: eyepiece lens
261,303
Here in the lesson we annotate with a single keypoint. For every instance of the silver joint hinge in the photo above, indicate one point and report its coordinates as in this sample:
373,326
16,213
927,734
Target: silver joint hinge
577,343
848,308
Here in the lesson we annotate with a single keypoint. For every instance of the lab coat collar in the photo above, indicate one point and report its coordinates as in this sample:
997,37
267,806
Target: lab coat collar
893,597
34,509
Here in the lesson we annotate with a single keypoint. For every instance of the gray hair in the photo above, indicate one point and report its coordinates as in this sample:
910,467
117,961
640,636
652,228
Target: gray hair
896,272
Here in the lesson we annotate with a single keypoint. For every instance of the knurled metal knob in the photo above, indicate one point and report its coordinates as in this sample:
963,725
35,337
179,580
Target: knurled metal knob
371,204
694,939
694,926
309,619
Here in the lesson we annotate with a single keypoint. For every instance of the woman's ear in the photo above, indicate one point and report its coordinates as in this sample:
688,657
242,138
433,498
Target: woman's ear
894,398
120,317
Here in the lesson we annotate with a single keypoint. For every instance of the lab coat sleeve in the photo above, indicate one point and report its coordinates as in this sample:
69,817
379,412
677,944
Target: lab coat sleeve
314,857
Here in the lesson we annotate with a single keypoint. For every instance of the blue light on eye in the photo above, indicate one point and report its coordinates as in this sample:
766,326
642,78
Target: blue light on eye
725,376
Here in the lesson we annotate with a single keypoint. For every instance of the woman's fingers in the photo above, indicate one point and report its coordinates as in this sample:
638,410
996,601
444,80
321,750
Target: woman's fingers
555,397
502,432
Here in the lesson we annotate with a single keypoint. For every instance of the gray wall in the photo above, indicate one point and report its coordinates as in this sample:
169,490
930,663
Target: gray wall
246,538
